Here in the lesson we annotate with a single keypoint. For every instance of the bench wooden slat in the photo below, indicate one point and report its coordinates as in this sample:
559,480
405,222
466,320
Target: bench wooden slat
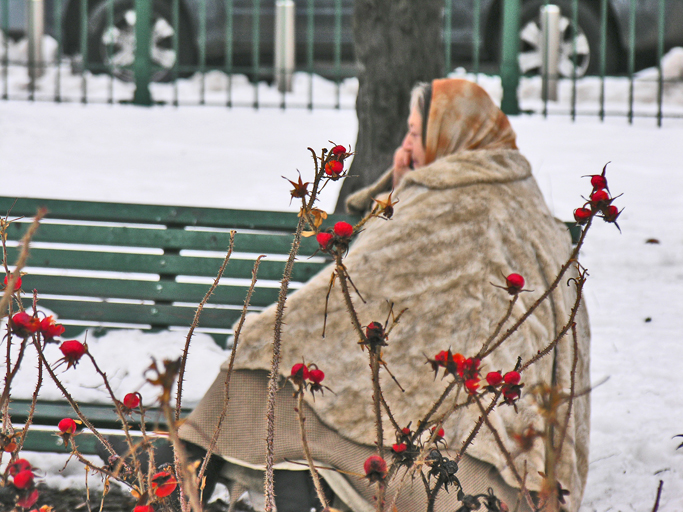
171,264
156,214
101,415
157,314
146,290
162,238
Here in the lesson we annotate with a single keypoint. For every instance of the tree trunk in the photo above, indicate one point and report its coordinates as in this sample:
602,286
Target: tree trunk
398,43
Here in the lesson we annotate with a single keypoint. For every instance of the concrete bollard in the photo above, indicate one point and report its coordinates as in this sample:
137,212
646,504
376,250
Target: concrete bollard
550,51
284,44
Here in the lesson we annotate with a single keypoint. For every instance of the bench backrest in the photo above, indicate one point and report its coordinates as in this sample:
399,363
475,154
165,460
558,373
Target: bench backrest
100,265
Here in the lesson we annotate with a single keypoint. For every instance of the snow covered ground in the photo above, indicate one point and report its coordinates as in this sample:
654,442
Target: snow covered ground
234,158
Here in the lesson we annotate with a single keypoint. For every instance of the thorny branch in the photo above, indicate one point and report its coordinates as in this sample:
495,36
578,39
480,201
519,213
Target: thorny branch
307,452
572,259
195,322
228,374
505,452
21,261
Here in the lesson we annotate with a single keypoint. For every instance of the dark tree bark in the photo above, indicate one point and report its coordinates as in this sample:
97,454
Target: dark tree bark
398,43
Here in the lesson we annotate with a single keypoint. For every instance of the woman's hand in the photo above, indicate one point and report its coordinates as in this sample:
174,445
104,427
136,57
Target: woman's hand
403,164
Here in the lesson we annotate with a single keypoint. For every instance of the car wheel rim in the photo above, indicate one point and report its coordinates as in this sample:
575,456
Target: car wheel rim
530,54
118,47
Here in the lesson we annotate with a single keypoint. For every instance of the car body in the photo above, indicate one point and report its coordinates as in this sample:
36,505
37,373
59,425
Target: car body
202,31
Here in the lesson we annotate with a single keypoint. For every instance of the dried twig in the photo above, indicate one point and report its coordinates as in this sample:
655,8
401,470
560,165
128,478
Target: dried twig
505,452
21,261
224,411
195,322
659,495
307,452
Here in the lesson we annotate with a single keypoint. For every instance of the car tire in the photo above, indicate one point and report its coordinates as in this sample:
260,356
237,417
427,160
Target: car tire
588,41
111,49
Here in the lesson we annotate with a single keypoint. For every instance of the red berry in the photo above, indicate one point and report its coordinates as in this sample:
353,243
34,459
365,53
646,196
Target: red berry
441,357
581,215
29,500
316,376
73,350
510,395
143,508
324,240
599,196
334,168
440,433
67,426
343,229
494,379
17,283
23,479
611,213
131,400
338,150
299,373
24,325
163,484
374,330
471,385
514,283
598,182
49,329
375,468
18,465
512,378
406,431
399,448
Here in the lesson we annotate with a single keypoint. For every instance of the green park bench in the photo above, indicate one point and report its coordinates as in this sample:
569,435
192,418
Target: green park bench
102,266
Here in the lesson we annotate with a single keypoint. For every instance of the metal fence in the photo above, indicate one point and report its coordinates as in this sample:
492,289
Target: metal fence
200,51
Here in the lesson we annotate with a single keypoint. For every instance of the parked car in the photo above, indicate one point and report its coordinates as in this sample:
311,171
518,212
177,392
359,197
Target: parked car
201,33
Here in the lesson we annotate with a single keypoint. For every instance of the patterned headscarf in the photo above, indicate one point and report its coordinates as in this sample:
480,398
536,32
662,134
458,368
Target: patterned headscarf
462,116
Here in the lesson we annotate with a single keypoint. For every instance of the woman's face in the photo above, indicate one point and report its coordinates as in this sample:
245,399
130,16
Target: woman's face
412,143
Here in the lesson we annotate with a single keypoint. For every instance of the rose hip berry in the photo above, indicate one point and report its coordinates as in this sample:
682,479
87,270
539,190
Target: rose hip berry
324,240
24,325
131,400
581,215
28,500
338,150
598,199
17,283
23,479
143,508
375,468
598,182
512,377
67,426
399,447
18,466
49,329
299,373
316,376
611,213
494,379
334,168
439,434
515,283
471,385
163,484
343,229
73,350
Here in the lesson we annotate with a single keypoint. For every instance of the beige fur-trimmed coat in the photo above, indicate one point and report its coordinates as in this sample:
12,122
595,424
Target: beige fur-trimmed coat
461,223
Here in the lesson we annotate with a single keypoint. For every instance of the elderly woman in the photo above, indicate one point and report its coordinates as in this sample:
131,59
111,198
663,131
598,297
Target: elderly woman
469,213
